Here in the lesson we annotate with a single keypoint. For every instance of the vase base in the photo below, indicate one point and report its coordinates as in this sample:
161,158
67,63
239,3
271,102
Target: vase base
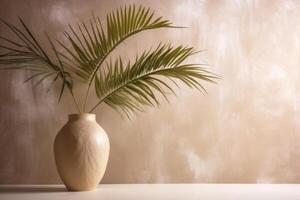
81,189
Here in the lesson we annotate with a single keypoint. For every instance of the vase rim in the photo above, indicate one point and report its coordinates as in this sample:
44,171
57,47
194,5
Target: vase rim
77,116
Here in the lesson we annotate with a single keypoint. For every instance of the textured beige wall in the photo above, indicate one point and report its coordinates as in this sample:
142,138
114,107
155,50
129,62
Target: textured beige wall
246,129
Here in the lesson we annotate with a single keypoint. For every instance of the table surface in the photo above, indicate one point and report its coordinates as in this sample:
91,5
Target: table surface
155,191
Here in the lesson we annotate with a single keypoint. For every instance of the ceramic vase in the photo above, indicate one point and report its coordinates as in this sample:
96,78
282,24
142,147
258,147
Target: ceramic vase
81,150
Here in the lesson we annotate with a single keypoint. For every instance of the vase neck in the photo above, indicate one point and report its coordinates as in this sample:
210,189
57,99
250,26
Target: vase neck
83,116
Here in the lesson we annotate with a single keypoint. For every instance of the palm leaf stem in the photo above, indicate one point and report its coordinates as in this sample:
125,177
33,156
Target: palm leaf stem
75,101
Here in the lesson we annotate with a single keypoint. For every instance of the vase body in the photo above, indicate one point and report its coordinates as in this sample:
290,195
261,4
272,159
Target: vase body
81,150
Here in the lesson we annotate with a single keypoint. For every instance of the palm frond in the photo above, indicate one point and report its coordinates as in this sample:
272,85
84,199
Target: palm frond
28,53
124,87
129,88
92,42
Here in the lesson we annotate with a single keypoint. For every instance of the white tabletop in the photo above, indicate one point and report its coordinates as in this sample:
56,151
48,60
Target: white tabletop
155,191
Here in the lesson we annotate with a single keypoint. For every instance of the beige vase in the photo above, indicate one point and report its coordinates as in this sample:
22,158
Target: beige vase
81,150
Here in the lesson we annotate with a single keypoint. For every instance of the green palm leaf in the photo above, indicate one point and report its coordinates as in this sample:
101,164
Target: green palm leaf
91,43
129,88
27,53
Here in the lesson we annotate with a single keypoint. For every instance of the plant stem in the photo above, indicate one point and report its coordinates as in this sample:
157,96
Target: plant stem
86,97
75,102
96,106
